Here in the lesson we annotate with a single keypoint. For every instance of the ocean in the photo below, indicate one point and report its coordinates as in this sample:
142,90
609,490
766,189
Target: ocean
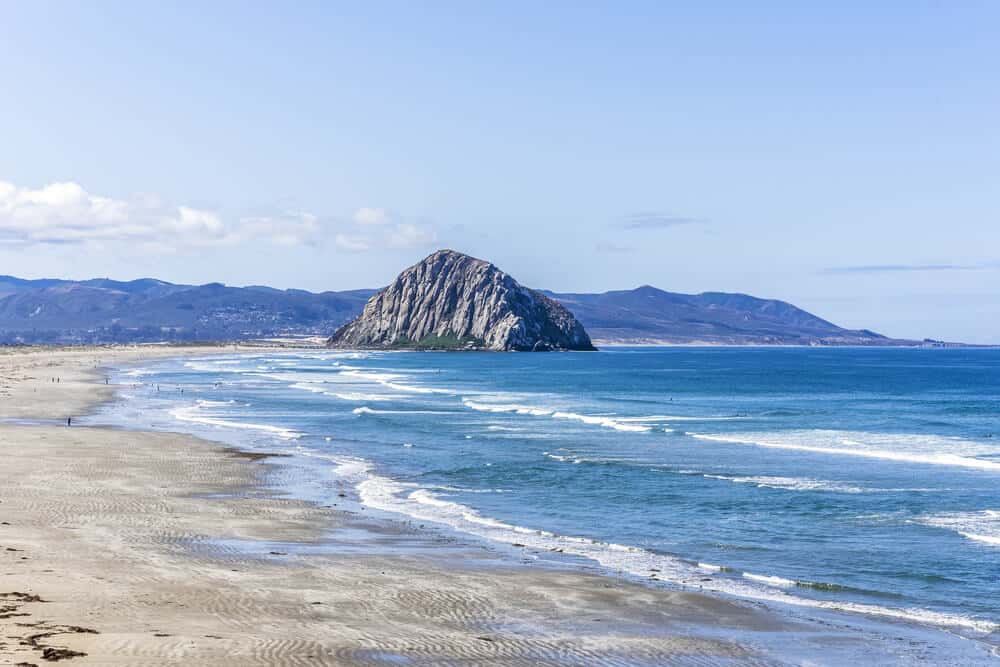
863,481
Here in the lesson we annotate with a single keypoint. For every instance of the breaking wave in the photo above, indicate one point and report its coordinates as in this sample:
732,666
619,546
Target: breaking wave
904,448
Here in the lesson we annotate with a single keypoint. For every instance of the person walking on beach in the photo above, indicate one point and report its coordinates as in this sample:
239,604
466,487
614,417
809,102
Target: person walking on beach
69,421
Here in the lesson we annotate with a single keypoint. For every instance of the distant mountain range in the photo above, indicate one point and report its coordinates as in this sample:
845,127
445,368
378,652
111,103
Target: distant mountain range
146,310
650,315
101,310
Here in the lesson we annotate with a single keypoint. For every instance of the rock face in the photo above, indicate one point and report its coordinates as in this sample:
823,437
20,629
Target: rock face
453,301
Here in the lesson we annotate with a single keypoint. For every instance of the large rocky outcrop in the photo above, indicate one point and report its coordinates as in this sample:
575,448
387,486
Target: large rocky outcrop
453,301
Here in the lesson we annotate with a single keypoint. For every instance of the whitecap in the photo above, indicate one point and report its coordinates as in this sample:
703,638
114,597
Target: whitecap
789,483
423,504
769,580
596,420
365,410
903,448
194,414
982,527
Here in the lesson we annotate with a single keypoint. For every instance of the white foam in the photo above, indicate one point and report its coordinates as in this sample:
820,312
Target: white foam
214,367
507,407
607,422
353,469
370,376
677,418
308,386
445,487
596,420
422,504
983,527
904,448
392,381
355,397
770,581
399,386
195,415
297,377
790,483
214,404
365,410
563,458
359,397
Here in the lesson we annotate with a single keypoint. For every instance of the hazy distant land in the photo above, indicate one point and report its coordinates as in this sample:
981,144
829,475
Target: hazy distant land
148,310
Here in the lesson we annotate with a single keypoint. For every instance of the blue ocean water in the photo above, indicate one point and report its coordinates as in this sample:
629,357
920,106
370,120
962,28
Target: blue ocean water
862,480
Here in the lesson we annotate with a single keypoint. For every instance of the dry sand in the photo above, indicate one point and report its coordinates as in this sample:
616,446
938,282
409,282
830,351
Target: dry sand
134,548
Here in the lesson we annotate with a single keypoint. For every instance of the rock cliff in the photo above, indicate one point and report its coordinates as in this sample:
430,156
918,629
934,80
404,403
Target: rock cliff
453,301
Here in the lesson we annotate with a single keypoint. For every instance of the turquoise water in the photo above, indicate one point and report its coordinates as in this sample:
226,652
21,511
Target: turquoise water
861,480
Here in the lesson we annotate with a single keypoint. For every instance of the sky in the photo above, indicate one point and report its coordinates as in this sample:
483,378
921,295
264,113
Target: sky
843,158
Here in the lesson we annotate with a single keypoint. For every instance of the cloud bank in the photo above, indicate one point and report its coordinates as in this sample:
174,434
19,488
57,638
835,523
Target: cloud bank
65,213
378,228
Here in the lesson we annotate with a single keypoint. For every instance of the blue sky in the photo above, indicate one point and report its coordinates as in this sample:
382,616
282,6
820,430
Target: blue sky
846,159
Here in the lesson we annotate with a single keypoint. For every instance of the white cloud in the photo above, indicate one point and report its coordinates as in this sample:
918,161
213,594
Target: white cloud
373,228
352,243
401,235
288,229
66,213
409,235
189,220
371,216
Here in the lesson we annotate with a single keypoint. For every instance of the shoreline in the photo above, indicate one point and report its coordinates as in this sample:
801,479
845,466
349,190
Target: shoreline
541,548
197,525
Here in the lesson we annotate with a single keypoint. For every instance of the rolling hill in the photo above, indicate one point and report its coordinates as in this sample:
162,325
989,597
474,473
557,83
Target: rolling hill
650,315
104,310
147,310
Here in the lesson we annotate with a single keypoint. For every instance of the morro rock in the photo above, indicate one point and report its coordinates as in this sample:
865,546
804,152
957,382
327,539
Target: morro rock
453,301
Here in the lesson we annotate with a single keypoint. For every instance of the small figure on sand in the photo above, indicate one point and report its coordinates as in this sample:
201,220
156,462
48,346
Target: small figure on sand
69,421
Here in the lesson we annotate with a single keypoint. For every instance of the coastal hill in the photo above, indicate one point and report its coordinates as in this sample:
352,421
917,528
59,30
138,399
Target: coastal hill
149,310
651,315
453,301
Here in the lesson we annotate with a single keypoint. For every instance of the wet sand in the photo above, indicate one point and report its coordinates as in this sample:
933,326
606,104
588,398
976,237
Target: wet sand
134,548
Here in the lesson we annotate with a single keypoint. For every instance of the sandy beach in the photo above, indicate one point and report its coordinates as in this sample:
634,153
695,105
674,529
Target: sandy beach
139,548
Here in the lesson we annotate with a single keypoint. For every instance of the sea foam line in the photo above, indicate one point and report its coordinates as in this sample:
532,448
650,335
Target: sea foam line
216,368
391,380
355,397
943,459
789,483
422,504
597,420
983,527
193,414
762,481
365,410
